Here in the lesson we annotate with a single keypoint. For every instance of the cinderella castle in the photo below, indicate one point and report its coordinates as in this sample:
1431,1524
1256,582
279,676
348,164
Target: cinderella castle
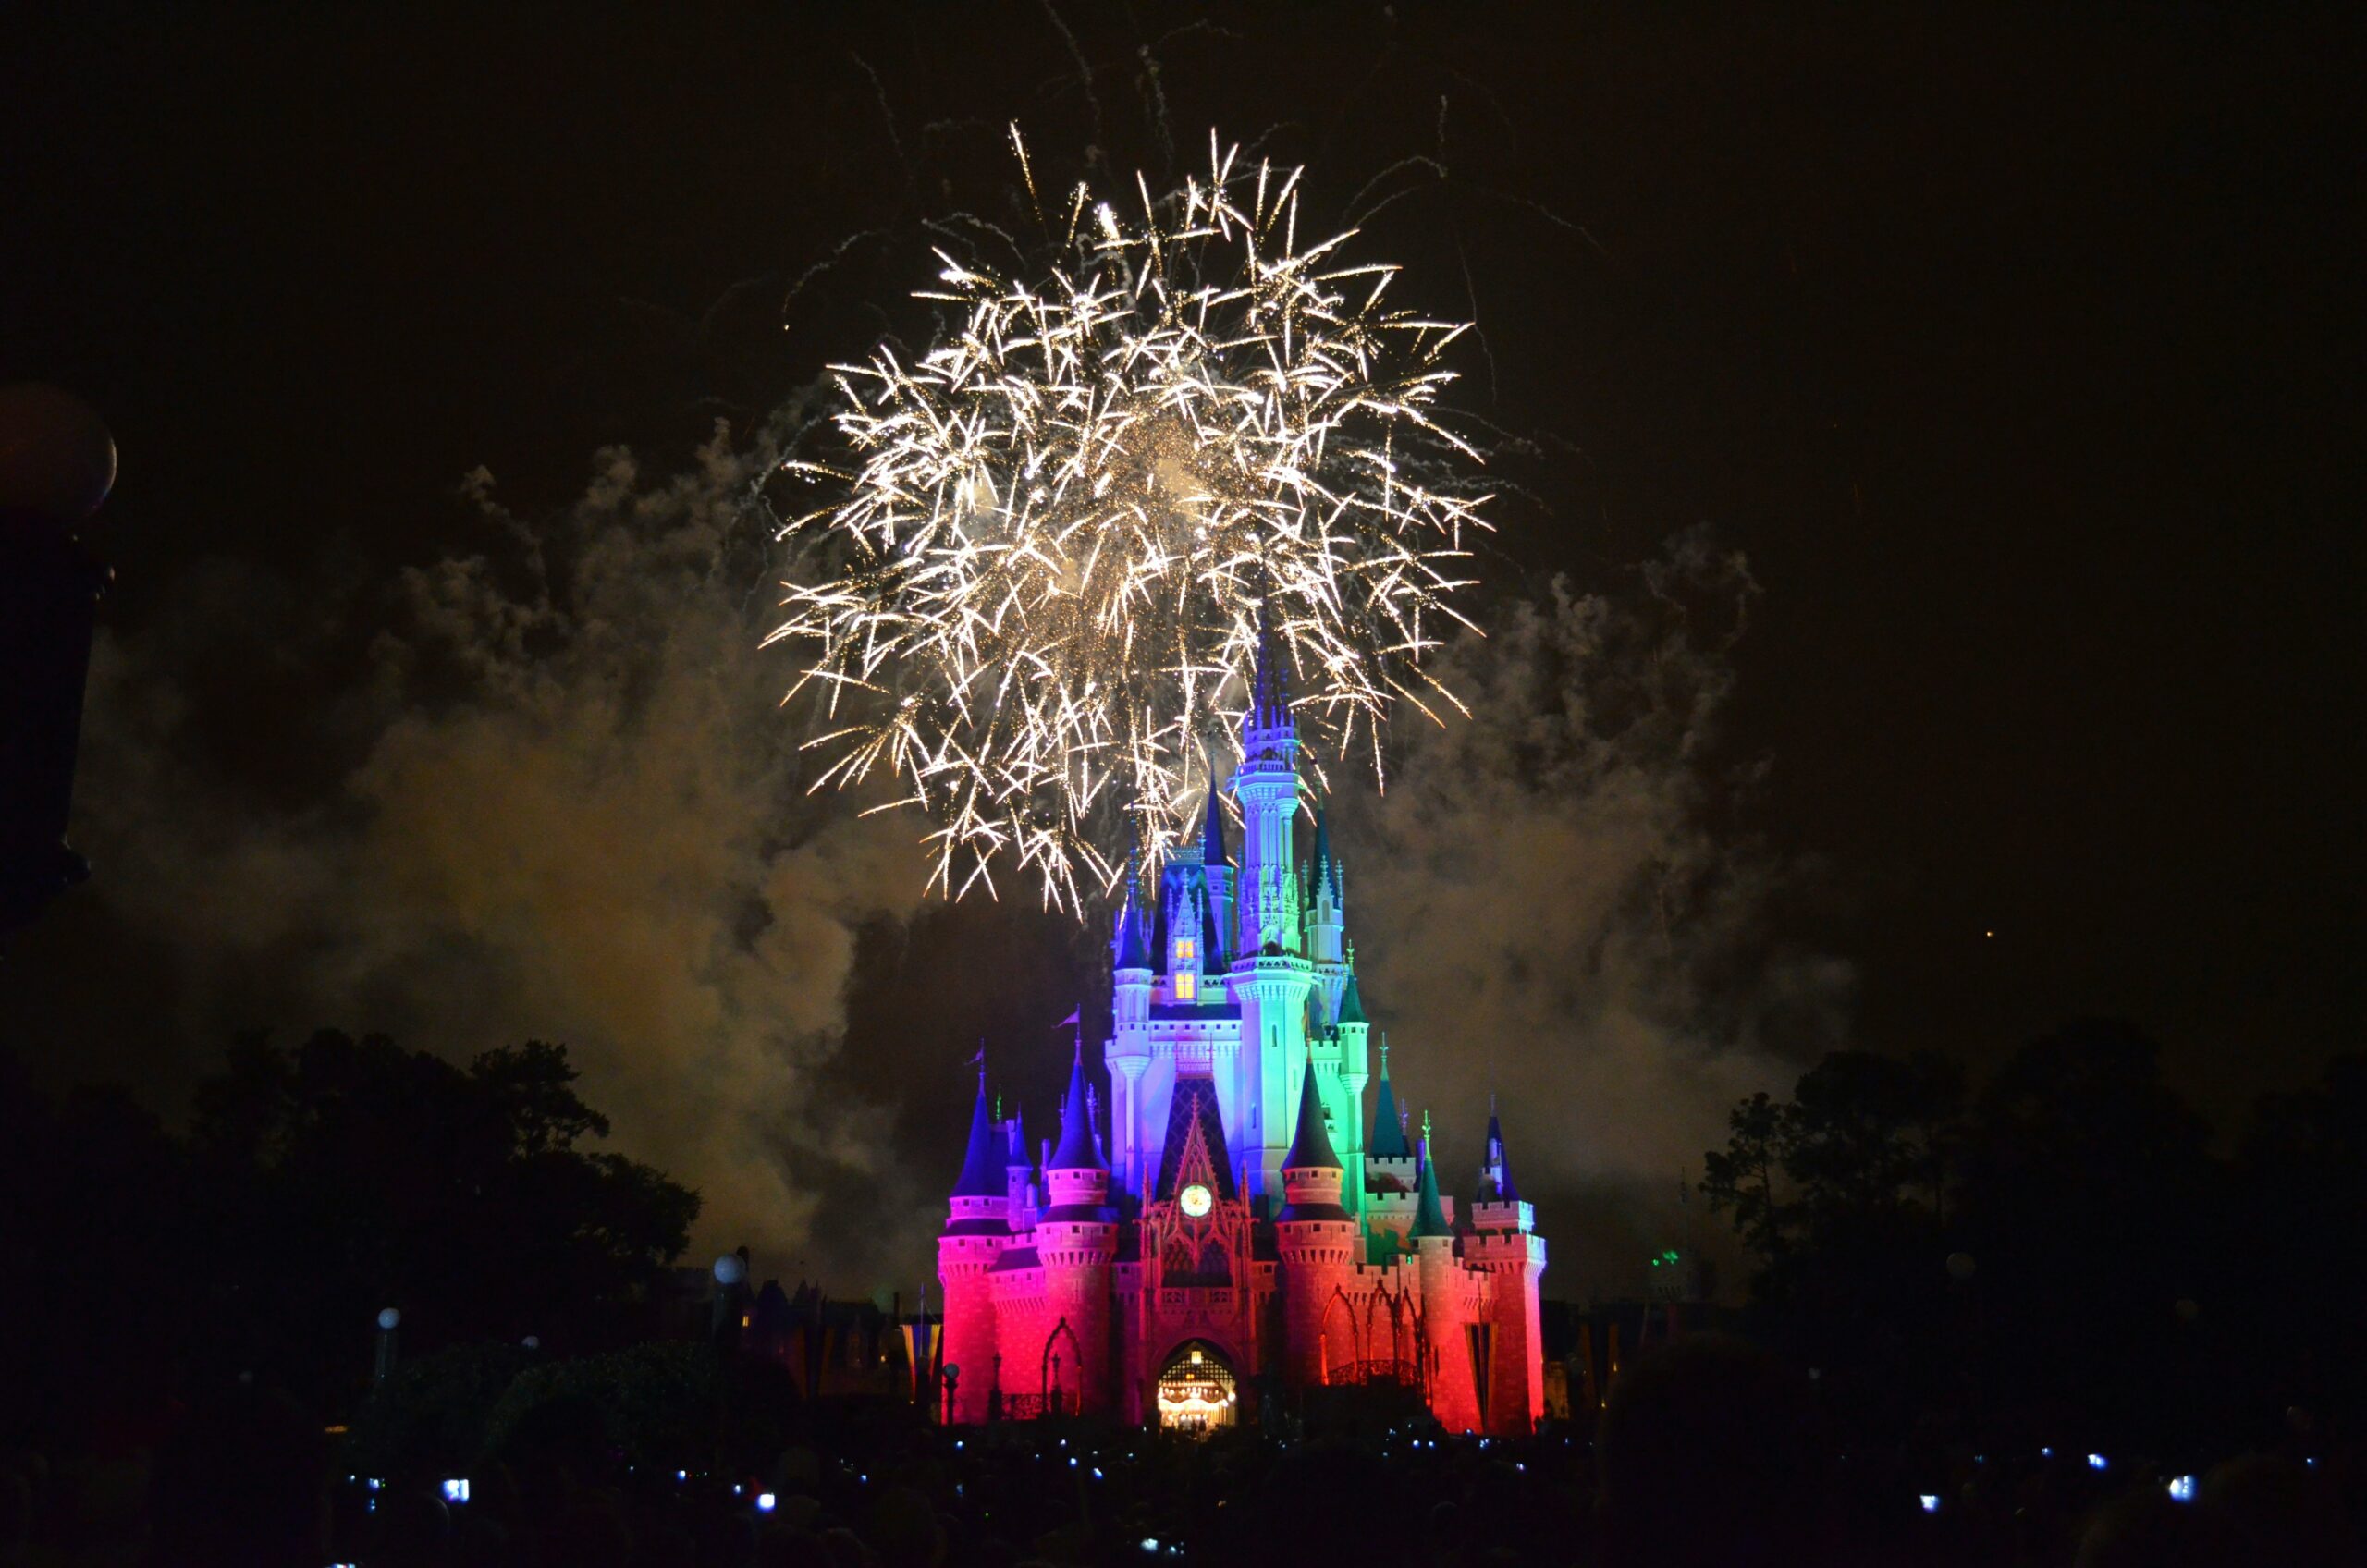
1235,1221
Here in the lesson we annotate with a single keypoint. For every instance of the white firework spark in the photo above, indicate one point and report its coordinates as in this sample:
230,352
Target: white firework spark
1038,594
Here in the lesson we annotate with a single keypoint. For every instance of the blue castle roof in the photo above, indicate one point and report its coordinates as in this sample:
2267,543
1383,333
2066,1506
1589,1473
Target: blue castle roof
982,1171
1079,1150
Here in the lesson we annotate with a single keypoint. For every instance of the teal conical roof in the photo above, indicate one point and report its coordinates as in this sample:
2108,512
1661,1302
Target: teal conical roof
1388,1140
1352,1010
1311,1144
1430,1215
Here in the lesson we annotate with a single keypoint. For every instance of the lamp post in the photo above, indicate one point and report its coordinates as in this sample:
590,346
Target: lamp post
728,1307
389,1319
57,465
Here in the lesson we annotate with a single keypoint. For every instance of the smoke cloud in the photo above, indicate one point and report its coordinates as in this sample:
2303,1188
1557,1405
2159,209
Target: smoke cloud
1559,914
546,793
572,812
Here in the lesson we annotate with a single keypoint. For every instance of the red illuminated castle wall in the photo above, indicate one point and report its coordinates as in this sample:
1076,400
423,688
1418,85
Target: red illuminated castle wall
1235,1214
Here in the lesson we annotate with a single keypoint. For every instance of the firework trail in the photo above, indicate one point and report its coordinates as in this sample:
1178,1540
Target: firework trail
1056,539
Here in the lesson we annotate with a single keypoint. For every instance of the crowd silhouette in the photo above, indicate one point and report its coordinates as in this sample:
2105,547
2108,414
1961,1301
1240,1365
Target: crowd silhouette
1708,1451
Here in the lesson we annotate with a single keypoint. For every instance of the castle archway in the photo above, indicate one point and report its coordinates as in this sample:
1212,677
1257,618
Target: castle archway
1060,1374
1196,1393
1337,1350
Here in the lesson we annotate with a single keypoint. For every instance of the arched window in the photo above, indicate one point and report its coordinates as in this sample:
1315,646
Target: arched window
1339,1342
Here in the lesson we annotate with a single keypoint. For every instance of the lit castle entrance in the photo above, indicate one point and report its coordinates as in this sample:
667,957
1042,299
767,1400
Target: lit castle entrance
1196,1393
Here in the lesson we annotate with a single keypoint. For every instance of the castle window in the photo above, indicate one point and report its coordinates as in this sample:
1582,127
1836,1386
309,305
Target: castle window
1187,970
1186,984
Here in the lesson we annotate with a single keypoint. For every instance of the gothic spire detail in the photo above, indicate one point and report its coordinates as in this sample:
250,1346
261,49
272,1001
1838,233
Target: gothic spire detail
1269,706
1324,867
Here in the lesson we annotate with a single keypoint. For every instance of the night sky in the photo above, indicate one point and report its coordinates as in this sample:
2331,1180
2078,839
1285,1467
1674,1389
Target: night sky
1978,387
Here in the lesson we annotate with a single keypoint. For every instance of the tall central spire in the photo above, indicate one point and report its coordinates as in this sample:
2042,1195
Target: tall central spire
1270,975
1270,727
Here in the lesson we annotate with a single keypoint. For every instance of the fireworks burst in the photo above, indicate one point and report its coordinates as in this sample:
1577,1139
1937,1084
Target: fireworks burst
1037,597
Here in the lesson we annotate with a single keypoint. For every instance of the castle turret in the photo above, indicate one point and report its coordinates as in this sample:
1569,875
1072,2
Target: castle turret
1129,1051
975,1235
1076,1241
1388,1173
1326,914
1430,1210
1019,1172
1351,1031
1388,1140
1495,1171
1130,948
1448,1302
1504,1246
1317,1239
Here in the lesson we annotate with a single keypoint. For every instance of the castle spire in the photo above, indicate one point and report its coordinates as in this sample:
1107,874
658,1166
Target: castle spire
1212,849
982,1175
1270,696
1079,1150
1311,1144
1325,868
1133,941
1430,1215
1352,1010
1495,1173
1388,1140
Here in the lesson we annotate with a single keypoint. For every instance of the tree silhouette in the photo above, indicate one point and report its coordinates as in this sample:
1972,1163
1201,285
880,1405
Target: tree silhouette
315,1187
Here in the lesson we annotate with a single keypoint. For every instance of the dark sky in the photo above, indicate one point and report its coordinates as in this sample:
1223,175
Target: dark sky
2015,349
